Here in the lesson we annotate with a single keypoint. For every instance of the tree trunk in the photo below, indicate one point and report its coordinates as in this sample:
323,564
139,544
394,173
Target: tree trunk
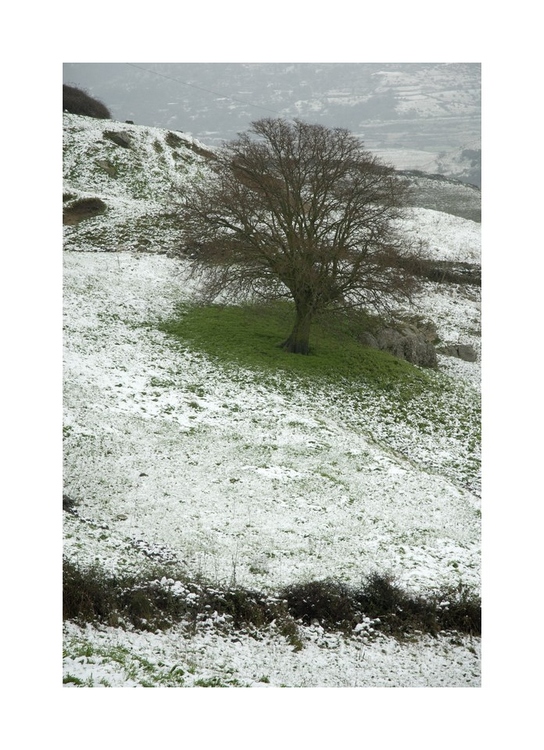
298,342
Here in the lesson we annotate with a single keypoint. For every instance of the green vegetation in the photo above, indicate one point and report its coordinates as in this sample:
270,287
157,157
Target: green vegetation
70,679
250,336
121,660
216,682
412,405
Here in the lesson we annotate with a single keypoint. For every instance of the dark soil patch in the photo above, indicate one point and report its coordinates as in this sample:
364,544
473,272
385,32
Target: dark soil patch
84,208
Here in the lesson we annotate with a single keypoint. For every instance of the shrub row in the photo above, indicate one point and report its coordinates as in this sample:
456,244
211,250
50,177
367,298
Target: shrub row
91,596
392,611
443,271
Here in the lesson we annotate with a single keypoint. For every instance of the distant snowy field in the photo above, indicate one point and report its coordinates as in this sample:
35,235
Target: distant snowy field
401,158
448,237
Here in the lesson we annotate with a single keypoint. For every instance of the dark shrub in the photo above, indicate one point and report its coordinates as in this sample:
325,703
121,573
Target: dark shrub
329,602
78,102
400,612
87,595
244,607
443,271
92,596
395,612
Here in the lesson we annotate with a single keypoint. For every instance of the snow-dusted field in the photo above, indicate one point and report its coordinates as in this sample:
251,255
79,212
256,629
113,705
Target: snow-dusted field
447,237
166,453
230,476
111,657
242,480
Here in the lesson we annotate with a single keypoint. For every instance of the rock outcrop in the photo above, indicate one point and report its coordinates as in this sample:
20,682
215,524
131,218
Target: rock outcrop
406,342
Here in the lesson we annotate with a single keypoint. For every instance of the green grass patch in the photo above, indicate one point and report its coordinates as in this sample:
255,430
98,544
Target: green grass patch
250,336
412,406
70,679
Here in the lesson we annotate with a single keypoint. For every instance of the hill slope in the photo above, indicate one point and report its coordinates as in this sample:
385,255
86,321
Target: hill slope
140,172
137,172
216,472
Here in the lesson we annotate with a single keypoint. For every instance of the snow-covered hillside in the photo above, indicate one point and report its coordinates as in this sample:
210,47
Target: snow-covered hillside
139,173
173,459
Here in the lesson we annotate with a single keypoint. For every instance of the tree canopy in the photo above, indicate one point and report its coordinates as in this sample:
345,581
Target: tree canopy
300,211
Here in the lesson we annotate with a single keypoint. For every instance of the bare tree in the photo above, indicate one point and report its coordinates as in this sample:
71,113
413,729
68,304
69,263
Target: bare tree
300,211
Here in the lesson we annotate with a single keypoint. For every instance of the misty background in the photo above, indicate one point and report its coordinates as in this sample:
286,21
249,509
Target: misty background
424,116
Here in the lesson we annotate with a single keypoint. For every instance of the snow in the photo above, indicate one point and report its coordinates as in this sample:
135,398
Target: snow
238,483
447,238
173,457
118,658
220,458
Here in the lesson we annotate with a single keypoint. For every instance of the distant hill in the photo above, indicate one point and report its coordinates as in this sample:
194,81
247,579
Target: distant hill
122,184
444,194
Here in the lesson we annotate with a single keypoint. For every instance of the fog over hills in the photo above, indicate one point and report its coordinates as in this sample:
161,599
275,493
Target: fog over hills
424,116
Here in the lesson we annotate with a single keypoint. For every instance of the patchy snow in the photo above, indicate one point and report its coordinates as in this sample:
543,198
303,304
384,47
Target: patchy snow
173,458
113,657
167,454
446,237
222,471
